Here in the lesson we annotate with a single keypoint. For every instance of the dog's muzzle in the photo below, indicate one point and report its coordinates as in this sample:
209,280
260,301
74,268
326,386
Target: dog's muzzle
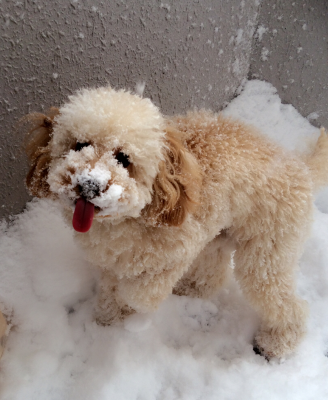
89,189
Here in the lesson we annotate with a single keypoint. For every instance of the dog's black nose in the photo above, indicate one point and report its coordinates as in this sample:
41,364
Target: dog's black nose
89,189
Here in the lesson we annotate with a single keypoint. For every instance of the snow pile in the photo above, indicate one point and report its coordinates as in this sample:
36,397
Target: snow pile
189,349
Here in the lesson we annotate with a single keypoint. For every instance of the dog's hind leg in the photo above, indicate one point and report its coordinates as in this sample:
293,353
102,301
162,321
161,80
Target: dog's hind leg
265,270
273,216
209,270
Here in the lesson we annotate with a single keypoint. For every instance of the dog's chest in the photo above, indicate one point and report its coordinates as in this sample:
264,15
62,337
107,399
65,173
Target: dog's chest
130,248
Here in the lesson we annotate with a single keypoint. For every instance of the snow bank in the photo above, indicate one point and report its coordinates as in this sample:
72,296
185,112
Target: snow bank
189,349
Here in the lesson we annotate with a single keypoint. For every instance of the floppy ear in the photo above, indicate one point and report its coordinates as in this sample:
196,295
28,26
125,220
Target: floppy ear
176,188
38,152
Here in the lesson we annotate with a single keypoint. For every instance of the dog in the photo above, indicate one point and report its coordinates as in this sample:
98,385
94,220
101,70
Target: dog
159,205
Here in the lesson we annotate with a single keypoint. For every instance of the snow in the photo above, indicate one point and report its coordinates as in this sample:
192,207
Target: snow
188,349
264,54
261,30
109,200
239,37
140,88
313,116
97,174
137,322
260,105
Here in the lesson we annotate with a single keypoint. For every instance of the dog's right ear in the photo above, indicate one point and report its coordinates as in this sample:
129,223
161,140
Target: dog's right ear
176,189
38,151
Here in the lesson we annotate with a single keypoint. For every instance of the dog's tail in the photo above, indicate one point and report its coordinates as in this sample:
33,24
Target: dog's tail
317,161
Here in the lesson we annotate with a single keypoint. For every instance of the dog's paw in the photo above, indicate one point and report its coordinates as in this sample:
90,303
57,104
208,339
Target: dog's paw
261,352
137,322
279,341
106,318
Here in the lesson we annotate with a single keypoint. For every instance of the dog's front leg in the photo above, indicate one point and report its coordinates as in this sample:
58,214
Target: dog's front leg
108,311
145,292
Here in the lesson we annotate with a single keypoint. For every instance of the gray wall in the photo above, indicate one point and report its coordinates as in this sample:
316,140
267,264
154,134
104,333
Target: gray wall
291,51
189,53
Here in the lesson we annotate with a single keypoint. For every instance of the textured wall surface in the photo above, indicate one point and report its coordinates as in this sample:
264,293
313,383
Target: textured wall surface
189,53
291,51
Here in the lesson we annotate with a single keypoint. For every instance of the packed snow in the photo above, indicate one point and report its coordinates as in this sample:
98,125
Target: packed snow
190,348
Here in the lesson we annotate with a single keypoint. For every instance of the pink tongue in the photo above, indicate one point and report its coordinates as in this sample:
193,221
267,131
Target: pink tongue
83,215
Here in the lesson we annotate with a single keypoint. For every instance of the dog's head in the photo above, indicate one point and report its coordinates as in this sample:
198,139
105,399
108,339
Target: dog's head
112,155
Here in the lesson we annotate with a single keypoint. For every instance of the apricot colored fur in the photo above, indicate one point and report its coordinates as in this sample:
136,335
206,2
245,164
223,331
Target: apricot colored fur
36,148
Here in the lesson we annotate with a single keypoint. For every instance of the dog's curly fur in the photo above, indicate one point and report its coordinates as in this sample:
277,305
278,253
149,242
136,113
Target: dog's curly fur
197,188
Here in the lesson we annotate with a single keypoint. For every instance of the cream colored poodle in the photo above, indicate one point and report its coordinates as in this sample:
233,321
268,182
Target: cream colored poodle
159,205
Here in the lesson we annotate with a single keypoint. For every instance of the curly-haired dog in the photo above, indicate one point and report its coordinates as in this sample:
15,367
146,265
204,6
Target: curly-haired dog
160,204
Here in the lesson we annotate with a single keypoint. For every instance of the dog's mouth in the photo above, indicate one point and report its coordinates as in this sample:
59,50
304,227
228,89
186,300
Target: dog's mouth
83,215
94,200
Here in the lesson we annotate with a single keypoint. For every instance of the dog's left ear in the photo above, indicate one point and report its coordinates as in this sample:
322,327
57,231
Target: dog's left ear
38,151
176,189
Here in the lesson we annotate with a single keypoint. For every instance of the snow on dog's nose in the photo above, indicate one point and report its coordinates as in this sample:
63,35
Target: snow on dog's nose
91,182
89,189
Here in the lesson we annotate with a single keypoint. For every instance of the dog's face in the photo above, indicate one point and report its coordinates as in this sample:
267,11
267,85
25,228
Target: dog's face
106,148
109,154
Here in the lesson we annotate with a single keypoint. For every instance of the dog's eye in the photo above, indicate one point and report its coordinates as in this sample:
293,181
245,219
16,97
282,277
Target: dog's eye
80,146
122,159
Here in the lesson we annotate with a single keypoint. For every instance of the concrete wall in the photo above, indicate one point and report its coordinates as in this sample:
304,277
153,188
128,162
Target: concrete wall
291,51
189,53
